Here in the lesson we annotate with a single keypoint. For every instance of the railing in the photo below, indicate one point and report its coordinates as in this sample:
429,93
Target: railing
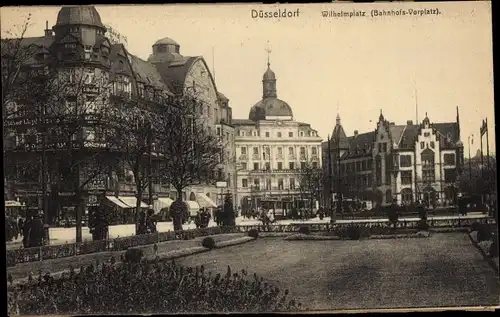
243,157
374,226
119,244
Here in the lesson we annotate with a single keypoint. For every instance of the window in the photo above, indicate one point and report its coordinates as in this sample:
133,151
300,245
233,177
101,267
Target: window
279,134
242,133
422,145
291,151
268,184
256,183
432,144
280,184
280,151
292,183
384,147
406,177
256,150
291,165
302,165
218,131
428,166
244,166
209,112
449,159
70,45
302,151
267,134
267,153
314,151
280,165
243,151
405,160
290,134
315,164
255,166
301,133
268,166
380,147
427,134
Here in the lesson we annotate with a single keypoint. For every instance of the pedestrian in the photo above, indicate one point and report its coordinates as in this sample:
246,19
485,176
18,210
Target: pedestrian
205,218
20,225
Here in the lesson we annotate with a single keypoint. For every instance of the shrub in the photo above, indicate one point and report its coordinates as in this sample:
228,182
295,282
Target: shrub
357,232
423,225
177,289
133,255
254,233
475,226
304,230
208,242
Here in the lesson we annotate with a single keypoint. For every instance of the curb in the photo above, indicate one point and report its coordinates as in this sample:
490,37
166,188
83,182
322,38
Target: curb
166,256
488,259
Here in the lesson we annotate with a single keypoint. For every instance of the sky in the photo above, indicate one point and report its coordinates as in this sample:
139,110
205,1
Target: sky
324,66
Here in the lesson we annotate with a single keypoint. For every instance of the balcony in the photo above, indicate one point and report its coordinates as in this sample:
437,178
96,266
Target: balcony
303,157
255,157
90,89
243,157
275,171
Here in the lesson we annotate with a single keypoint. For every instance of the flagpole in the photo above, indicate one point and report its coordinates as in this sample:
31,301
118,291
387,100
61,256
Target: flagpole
330,179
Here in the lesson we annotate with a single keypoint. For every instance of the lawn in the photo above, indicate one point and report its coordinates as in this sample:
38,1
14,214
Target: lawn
443,270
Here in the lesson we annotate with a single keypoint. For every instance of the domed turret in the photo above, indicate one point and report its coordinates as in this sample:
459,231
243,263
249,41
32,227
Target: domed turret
79,15
165,49
270,107
269,74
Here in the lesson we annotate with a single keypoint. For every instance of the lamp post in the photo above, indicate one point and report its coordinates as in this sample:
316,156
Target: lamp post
470,141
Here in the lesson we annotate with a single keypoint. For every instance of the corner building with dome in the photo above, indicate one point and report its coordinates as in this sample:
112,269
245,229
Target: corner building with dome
81,42
271,149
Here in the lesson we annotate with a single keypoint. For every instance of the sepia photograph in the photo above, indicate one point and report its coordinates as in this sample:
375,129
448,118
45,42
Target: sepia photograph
249,158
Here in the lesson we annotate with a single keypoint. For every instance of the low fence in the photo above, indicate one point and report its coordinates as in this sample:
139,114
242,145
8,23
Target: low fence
17,256
120,244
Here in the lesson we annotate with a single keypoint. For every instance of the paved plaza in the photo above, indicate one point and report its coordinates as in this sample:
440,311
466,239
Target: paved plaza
443,270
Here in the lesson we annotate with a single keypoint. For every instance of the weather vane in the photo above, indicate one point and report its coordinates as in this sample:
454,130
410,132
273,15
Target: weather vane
268,50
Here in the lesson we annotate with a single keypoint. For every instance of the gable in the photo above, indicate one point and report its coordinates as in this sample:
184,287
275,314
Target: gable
69,38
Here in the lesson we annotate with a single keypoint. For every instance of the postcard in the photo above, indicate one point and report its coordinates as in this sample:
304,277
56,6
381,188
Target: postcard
167,159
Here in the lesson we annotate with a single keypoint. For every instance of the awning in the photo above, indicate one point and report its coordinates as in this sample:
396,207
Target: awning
193,207
12,203
117,202
131,201
161,203
205,201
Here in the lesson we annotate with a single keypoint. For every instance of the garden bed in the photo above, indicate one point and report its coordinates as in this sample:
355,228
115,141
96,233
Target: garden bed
483,237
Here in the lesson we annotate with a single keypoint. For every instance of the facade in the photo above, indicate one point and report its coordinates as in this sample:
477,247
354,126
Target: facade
271,149
403,162
113,78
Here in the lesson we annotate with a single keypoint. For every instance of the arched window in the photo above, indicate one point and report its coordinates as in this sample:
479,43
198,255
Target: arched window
388,196
406,196
192,196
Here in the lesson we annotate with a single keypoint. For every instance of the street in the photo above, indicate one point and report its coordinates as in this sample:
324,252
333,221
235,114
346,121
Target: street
67,235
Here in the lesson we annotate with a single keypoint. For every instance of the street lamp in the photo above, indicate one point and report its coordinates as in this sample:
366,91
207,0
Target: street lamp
470,141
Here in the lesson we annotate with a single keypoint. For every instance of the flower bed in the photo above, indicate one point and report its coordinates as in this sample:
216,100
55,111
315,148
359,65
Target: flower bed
301,236
159,287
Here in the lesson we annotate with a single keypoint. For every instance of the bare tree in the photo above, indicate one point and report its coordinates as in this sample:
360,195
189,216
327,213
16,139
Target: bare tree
15,56
135,135
193,151
311,180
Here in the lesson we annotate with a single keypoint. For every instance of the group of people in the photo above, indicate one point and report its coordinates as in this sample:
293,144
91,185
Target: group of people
30,229
202,218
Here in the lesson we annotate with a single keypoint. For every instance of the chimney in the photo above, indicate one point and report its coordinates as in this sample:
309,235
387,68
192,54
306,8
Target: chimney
409,122
355,133
48,32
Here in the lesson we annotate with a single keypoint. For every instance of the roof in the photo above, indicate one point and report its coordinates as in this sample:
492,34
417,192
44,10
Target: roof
237,122
166,41
403,135
174,72
338,132
222,96
146,72
269,74
270,107
87,15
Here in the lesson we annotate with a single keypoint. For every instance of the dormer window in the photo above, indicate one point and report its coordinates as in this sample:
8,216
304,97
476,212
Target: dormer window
69,45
